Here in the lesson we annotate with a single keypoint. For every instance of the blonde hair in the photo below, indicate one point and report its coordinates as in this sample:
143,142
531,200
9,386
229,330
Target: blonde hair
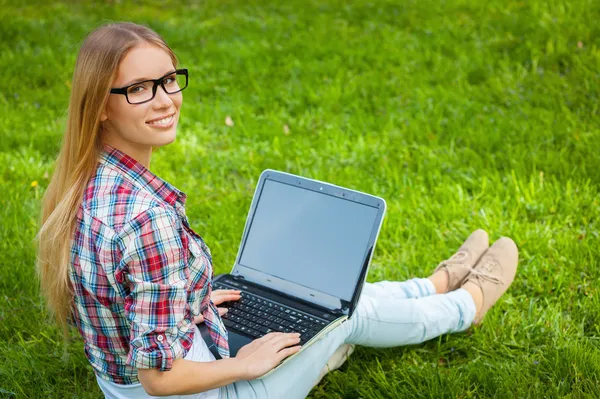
95,69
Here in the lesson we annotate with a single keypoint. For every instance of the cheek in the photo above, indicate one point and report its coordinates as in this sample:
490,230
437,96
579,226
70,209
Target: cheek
178,100
128,120
132,117
122,113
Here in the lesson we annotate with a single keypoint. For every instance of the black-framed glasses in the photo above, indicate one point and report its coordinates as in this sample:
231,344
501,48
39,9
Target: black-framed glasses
141,92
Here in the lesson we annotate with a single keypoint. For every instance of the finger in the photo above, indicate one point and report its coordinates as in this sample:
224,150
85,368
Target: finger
225,292
222,293
217,300
269,336
282,354
230,297
198,319
286,340
222,311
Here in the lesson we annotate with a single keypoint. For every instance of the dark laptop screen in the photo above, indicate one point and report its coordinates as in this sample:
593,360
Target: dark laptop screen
312,239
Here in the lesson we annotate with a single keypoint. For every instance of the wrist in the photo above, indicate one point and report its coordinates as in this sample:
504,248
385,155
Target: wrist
239,367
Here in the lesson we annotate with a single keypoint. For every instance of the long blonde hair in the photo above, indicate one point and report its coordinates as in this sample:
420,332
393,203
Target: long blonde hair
95,69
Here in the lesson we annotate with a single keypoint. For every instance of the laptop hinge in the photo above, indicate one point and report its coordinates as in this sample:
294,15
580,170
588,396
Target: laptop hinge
337,312
334,312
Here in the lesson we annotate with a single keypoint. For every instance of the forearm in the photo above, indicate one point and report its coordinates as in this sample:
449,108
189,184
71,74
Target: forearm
189,377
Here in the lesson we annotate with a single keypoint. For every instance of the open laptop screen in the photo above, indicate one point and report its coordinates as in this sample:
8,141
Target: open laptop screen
309,238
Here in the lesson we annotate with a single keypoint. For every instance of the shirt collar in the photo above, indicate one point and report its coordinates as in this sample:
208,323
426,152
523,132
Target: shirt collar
140,174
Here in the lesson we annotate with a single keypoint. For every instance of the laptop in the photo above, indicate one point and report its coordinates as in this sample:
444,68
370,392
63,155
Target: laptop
302,262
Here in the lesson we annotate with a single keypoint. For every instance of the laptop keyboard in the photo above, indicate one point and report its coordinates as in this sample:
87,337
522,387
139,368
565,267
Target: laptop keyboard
256,316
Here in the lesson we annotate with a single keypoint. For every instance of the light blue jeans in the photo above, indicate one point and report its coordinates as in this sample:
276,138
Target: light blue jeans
388,314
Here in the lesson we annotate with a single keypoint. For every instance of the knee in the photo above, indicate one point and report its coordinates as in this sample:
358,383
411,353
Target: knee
355,326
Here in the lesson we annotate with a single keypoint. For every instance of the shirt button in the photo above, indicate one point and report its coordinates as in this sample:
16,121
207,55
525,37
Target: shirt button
160,338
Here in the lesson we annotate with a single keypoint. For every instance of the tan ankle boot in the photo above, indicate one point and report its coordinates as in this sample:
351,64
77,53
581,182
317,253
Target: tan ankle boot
461,263
494,273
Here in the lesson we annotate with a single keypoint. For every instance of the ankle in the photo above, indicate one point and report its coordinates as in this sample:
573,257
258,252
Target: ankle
440,280
476,294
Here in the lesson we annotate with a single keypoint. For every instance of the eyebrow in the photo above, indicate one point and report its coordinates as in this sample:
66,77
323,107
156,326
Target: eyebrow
136,80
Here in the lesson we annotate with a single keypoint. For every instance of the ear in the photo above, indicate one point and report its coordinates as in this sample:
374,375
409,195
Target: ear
103,116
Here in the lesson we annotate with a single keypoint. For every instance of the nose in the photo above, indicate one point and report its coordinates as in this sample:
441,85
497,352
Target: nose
162,99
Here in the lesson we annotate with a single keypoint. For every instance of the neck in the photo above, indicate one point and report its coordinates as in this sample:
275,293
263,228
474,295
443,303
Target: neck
140,152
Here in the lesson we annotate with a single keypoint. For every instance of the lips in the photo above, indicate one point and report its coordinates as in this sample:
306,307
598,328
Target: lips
159,118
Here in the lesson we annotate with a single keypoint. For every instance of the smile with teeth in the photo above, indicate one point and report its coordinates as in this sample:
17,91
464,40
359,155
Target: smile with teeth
164,121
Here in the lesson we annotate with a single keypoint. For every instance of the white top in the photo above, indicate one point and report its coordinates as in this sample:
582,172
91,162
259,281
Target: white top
198,352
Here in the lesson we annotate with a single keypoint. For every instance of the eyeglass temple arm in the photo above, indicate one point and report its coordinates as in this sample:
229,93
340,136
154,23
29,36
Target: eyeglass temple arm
119,91
157,82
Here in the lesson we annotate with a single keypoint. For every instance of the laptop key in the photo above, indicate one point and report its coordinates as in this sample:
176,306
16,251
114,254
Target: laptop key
260,316
264,322
263,329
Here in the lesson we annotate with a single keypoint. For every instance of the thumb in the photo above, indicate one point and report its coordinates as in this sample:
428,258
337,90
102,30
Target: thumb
222,311
198,319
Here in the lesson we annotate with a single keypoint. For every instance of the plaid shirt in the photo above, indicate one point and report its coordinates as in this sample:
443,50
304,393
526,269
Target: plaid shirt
139,272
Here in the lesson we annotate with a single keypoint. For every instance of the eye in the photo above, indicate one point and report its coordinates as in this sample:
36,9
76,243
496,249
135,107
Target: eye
171,78
134,89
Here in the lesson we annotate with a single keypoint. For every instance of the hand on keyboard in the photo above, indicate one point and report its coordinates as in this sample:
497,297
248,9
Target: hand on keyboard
266,352
256,316
219,297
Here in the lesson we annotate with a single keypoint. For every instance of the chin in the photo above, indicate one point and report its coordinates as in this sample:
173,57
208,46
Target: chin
166,137
169,138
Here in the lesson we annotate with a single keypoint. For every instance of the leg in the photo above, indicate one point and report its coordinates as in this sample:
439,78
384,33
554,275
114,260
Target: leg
377,322
388,323
413,288
448,276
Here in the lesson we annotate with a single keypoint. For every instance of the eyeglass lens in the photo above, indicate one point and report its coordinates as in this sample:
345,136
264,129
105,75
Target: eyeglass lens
143,91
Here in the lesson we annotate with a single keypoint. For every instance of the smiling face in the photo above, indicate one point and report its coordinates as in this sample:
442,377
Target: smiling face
132,128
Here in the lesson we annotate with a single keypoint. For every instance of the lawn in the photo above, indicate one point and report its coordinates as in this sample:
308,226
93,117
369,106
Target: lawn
460,113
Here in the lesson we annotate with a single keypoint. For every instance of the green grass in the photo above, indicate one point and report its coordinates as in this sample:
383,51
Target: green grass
460,113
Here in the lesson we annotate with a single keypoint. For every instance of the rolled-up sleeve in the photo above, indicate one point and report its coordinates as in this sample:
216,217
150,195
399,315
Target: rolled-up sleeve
153,270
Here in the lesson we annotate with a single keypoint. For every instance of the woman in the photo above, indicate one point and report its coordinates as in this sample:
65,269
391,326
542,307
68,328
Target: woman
118,259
